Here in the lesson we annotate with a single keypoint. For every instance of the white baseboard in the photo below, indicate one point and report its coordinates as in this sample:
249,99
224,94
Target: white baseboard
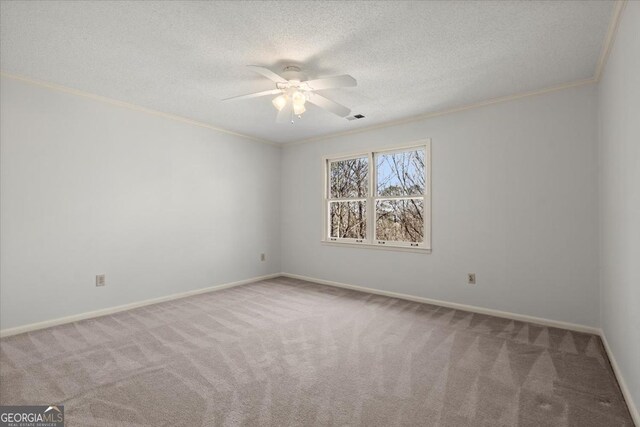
106,311
623,385
465,307
547,322
531,319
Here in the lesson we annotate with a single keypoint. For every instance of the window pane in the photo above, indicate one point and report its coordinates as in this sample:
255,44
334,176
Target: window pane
401,174
400,220
348,178
348,220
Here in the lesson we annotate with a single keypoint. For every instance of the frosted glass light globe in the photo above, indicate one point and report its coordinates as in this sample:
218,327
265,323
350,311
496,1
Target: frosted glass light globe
279,102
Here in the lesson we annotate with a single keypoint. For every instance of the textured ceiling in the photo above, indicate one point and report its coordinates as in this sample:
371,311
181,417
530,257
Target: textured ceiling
409,58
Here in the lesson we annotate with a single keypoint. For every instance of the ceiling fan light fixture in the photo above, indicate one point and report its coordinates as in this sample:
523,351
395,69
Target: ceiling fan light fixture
279,102
298,98
293,91
298,109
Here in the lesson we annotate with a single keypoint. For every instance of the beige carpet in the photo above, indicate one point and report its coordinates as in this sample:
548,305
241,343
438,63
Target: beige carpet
285,352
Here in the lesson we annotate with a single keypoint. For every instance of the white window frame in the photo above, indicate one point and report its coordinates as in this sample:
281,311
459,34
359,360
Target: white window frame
370,241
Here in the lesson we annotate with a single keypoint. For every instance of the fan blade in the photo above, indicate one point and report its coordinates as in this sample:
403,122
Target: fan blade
329,105
284,115
267,73
344,80
255,95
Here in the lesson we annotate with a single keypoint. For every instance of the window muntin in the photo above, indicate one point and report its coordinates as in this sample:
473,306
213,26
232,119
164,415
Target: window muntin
380,198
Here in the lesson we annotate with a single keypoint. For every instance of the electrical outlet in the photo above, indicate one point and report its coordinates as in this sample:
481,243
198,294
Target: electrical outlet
101,279
471,278
263,257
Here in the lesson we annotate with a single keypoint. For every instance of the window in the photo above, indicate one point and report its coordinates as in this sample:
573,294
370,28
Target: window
379,198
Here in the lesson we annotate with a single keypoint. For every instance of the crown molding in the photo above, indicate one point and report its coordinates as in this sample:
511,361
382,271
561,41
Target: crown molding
606,49
609,38
447,111
134,107
129,106
602,61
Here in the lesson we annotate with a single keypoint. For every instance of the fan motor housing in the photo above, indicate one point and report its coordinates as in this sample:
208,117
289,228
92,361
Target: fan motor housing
292,72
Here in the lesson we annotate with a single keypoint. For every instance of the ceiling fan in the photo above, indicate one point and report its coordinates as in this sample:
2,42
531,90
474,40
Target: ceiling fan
293,92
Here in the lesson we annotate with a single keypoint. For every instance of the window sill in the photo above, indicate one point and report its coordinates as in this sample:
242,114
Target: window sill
378,247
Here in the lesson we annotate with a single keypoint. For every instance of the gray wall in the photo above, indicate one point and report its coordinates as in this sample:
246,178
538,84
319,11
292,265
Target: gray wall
619,103
514,200
160,206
